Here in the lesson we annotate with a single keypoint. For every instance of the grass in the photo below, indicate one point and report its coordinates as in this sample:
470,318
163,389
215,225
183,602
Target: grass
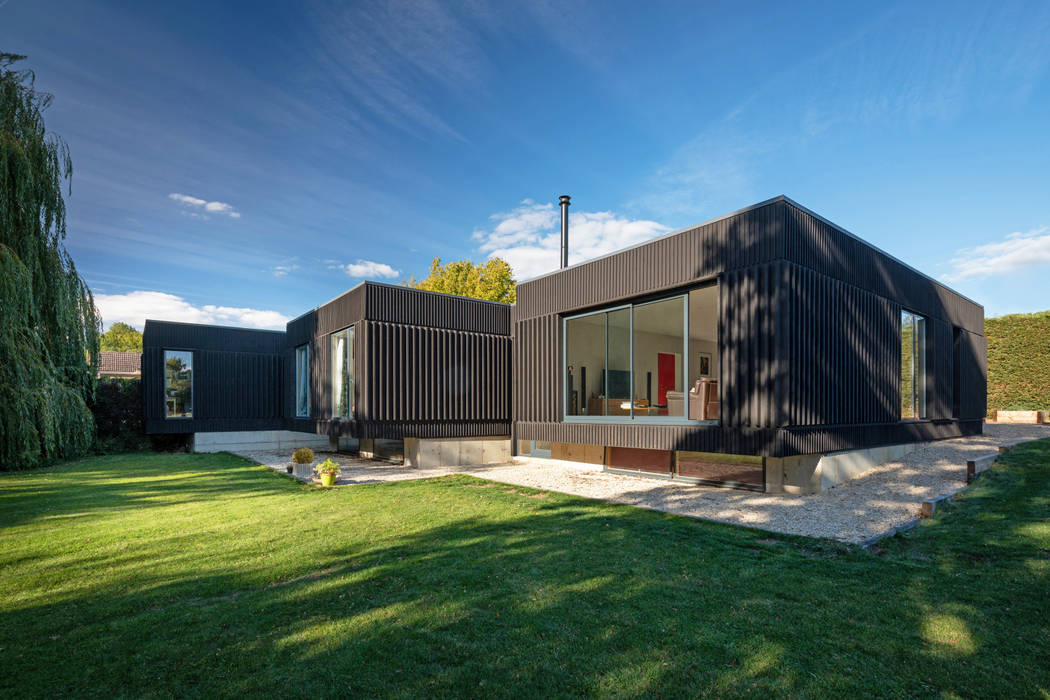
202,575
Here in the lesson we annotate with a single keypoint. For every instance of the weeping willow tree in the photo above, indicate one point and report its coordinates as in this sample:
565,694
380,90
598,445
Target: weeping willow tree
49,327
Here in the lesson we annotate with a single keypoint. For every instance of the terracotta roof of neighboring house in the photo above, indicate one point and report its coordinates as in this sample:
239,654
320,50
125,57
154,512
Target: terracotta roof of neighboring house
119,363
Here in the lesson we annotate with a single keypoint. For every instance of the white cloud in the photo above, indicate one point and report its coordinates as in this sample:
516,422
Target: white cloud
365,269
283,270
1015,252
529,236
210,207
135,307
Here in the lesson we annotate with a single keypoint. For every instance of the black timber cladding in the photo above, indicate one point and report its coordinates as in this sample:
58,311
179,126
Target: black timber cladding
808,338
237,376
427,364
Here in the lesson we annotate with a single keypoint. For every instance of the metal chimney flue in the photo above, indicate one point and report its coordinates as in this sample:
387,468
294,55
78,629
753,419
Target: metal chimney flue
564,202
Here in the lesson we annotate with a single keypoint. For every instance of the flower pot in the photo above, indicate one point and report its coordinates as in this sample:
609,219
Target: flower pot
289,468
328,479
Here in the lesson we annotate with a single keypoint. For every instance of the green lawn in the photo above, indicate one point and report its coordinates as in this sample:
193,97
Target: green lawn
160,575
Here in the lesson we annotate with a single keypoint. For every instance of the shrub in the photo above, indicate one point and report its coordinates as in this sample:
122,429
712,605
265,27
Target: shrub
1018,362
117,408
327,467
304,455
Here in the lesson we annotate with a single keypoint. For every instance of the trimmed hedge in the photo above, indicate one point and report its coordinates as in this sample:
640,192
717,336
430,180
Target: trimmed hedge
1018,362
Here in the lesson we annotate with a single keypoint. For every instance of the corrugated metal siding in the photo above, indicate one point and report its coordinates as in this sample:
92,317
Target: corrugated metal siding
415,376
809,335
842,352
428,374
747,239
973,373
820,246
415,307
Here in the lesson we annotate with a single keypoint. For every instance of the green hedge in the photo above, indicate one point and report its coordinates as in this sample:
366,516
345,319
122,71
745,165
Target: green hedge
1018,362
118,416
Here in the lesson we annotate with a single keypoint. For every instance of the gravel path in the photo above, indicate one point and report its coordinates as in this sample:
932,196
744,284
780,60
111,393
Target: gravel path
879,500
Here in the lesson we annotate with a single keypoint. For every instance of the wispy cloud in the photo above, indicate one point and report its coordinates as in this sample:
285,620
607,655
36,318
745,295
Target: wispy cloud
1017,251
196,205
388,58
135,307
365,269
286,267
529,236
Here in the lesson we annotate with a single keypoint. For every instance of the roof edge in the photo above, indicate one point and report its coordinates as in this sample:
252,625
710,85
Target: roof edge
670,234
209,325
874,247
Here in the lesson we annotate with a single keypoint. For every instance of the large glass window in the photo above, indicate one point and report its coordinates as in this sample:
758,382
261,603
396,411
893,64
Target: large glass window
653,360
913,366
178,384
302,381
343,373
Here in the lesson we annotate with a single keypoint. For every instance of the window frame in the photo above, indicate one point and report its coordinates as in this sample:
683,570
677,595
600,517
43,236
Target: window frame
351,344
305,347
164,381
631,304
916,363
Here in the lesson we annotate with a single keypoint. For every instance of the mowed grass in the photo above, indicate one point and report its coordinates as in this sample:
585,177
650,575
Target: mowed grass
201,575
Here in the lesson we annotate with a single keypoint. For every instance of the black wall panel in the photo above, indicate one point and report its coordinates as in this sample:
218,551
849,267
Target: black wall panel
237,377
809,338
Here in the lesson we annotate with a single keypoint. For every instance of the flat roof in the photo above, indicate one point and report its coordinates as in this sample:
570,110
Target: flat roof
362,283
764,203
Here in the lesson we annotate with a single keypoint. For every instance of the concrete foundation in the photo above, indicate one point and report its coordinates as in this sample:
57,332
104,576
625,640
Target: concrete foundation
814,473
453,452
257,441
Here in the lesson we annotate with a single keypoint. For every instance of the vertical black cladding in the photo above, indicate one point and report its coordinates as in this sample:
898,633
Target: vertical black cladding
427,364
809,337
237,377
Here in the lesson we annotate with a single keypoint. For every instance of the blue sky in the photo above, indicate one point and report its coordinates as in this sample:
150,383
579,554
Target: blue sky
243,163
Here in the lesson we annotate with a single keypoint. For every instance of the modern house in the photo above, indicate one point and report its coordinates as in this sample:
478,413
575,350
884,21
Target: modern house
378,370
121,365
766,349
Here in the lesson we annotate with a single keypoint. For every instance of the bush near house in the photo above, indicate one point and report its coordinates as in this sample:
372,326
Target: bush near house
1018,362
118,416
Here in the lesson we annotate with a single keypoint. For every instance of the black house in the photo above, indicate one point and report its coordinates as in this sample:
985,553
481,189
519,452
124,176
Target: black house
765,349
744,350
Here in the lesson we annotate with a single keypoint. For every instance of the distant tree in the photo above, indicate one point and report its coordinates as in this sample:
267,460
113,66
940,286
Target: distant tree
49,327
492,280
121,338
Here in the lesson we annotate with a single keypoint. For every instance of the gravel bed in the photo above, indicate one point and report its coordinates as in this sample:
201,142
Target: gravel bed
877,501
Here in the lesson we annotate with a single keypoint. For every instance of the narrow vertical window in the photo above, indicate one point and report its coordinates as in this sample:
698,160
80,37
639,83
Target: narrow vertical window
913,366
302,381
178,384
343,374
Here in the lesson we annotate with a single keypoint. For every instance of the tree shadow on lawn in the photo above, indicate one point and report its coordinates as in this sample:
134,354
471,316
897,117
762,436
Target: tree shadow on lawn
563,596
87,487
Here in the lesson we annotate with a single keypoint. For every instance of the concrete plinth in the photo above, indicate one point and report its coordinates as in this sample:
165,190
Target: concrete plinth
814,473
455,452
258,441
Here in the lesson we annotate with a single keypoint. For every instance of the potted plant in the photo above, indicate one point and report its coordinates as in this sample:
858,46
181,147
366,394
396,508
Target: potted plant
304,455
327,471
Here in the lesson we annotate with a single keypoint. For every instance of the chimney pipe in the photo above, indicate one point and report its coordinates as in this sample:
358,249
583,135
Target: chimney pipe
564,202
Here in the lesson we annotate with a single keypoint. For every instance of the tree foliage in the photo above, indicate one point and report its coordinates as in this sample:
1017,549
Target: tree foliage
492,280
49,327
1018,362
121,338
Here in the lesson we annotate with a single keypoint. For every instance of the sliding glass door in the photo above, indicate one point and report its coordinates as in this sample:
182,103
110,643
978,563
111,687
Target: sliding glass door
653,360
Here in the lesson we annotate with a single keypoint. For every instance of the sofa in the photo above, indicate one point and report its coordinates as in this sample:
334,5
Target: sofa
703,401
